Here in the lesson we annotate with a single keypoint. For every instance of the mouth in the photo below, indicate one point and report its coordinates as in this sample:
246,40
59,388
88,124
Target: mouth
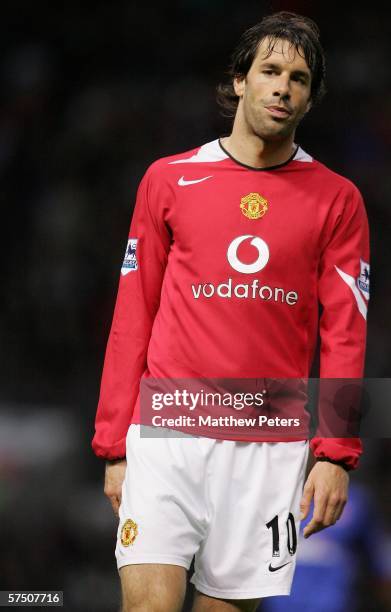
278,111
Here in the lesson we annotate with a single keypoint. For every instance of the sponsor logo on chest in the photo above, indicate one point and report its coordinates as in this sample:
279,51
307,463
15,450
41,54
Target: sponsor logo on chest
254,290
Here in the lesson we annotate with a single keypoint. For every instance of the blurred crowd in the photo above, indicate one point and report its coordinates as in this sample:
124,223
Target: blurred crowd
91,94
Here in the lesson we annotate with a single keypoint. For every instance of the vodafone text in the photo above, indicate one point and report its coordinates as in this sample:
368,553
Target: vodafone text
245,290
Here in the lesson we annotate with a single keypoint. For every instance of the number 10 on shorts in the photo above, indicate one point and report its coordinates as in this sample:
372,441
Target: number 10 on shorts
291,531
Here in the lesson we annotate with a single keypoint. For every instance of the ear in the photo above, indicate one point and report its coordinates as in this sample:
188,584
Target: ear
309,105
239,84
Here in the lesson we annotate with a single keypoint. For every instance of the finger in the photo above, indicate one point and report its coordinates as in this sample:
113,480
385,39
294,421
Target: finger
340,510
334,510
119,501
114,504
320,505
305,503
331,510
330,515
312,527
317,521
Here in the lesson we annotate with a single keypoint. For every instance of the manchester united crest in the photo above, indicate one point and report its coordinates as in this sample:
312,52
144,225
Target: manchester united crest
129,532
253,206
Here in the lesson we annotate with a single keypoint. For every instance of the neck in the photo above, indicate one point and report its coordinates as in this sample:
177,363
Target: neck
250,149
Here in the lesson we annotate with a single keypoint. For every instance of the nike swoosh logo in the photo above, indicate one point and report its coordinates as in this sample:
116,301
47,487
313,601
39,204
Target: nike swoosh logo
182,181
275,569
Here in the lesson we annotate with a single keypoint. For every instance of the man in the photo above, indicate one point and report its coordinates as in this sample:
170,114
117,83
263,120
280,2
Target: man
281,231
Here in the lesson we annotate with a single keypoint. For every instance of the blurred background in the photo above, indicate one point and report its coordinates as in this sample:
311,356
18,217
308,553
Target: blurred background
91,94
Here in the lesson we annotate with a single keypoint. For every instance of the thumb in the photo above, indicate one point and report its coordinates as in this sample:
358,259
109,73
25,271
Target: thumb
305,503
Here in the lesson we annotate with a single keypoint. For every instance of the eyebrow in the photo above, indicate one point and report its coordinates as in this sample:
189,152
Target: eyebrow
302,73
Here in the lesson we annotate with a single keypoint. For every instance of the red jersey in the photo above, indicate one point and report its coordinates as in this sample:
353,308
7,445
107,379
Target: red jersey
223,274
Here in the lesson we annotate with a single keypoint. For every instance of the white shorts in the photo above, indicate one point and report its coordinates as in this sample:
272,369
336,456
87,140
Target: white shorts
233,506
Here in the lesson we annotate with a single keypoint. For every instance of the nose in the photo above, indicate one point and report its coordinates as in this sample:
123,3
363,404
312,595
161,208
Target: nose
282,86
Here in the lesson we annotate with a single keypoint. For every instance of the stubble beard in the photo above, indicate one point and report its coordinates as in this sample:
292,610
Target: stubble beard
269,129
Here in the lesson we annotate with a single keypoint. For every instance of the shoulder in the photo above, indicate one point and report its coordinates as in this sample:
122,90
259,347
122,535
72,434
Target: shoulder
335,191
336,183
165,167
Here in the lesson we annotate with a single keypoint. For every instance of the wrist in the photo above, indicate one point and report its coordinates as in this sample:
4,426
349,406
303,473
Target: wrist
114,461
342,464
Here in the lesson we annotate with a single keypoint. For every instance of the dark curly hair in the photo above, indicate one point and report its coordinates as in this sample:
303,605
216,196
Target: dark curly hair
302,32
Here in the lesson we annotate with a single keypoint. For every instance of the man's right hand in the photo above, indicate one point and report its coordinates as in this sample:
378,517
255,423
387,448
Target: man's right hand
114,477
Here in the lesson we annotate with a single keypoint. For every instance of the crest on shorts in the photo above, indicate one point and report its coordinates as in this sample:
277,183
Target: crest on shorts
253,206
129,532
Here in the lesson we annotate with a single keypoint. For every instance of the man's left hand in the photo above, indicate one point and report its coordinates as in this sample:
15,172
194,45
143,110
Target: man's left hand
328,484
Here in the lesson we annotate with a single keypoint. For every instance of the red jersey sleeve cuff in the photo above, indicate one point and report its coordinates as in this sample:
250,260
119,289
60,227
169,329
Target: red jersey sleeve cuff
116,451
338,450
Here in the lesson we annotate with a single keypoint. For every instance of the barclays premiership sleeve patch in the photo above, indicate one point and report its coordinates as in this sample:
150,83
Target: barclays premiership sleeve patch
363,279
130,260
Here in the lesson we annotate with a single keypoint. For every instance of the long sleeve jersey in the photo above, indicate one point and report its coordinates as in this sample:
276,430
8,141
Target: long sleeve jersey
223,274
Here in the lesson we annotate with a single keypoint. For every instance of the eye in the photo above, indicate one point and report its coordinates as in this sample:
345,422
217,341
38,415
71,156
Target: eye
268,71
300,79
